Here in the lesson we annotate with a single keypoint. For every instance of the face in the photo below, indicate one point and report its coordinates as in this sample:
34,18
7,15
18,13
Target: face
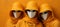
31,13
17,13
44,15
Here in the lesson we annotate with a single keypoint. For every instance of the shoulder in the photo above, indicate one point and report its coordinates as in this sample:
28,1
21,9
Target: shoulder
56,22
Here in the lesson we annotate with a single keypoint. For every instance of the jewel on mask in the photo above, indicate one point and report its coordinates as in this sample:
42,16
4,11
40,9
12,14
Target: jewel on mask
44,15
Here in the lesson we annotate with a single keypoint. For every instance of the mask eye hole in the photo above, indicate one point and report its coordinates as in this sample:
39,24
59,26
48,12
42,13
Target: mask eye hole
34,11
45,12
30,11
19,11
16,11
27,10
13,11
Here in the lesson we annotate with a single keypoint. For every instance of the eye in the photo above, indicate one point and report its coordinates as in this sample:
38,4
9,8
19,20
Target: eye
34,11
13,11
45,12
27,10
19,11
